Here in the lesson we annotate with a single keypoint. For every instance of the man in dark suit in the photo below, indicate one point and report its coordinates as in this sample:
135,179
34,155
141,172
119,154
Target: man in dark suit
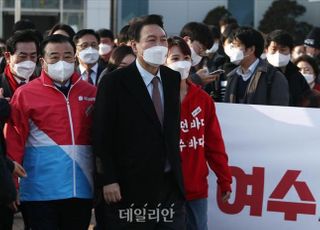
279,44
136,136
90,65
8,203
8,191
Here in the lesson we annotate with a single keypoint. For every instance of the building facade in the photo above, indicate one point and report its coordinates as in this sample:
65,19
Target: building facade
46,13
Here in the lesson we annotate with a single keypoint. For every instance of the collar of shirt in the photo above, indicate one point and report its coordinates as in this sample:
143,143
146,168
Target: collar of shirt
67,84
146,76
18,80
245,76
83,70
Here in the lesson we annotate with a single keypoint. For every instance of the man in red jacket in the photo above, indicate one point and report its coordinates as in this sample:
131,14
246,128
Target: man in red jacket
49,131
21,57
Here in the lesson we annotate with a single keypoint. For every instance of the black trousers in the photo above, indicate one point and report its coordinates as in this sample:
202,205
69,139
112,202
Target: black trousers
169,214
6,218
58,214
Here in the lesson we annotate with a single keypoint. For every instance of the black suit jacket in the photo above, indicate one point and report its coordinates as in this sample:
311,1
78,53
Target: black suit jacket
101,67
298,86
7,191
128,136
4,83
7,91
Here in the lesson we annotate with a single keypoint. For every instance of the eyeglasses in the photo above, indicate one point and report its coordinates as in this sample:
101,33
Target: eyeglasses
85,45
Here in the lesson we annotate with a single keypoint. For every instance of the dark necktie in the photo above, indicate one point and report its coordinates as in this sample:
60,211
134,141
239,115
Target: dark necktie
158,106
89,79
157,99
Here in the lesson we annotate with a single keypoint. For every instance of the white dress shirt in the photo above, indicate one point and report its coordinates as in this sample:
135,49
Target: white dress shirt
93,74
147,78
246,75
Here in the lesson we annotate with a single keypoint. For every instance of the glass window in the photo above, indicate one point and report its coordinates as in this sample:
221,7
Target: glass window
73,4
40,4
130,9
9,3
75,20
245,15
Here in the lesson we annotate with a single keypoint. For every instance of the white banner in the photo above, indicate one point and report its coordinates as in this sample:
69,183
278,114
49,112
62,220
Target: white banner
275,161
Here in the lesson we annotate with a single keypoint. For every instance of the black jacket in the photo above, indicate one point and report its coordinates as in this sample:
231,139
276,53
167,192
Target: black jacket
298,86
3,64
217,88
267,86
7,191
101,67
5,85
128,136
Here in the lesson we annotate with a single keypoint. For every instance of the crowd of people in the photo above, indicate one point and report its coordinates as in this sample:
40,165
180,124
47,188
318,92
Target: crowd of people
126,125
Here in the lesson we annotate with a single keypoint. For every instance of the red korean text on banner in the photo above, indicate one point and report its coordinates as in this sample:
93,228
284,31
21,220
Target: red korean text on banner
292,209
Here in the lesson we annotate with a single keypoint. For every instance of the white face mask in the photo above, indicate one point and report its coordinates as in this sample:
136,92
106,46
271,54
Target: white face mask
213,49
236,55
278,59
183,67
60,71
227,49
195,58
309,78
104,49
24,69
89,55
155,55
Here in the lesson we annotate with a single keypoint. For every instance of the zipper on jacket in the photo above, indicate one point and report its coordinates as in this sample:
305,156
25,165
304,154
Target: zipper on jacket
73,146
72,136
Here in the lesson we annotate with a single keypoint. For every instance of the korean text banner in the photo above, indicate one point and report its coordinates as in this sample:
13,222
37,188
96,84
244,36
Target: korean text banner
275,161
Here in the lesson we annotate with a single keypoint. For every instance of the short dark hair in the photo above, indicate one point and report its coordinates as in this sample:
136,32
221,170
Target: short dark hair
105,33
3,41
226,20
250,37
281,37
123,36
178,41
136,26
23,24
21,36
228,33
60,26
310,60
117,55
198,32
216,34
56,38
83,32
